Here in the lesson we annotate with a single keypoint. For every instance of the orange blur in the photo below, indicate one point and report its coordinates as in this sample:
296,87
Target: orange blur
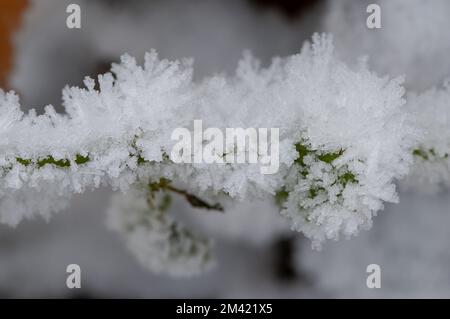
11,12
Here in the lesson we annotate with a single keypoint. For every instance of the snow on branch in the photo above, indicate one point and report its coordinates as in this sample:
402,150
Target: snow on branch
345,138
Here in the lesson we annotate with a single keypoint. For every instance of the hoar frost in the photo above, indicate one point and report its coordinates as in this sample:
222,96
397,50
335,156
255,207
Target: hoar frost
344,138
155,238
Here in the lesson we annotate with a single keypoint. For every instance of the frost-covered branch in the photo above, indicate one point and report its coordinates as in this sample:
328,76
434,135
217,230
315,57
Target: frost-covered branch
345,137
431,110
159,242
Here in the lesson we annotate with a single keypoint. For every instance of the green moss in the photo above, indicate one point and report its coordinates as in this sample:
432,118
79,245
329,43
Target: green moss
330,157
80,159
141,160
314,191
346,178
50,160
429,154
432,152
22,161
420,153
302,151
281,197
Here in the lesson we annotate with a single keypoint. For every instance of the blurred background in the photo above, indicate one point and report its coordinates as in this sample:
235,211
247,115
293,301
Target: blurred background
257,255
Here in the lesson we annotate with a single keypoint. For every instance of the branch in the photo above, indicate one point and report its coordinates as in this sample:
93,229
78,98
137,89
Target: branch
343,138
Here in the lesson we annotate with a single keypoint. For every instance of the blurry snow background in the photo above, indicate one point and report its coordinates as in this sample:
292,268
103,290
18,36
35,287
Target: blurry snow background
409,241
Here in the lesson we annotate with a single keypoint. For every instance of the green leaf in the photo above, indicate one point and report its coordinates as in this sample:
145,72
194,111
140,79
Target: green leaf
80,159
347,177
330,157
302,151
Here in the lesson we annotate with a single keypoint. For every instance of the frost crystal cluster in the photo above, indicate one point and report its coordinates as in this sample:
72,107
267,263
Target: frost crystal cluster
156,239
431,110
345,138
